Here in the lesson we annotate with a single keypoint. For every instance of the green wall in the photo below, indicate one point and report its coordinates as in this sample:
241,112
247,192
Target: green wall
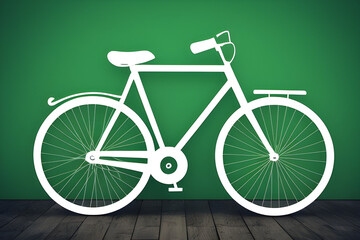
52,49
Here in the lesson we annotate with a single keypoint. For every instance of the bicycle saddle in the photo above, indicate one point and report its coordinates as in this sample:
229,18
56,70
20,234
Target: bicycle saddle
125,59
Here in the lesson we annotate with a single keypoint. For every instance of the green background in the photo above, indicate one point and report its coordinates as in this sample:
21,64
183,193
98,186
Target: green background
50,49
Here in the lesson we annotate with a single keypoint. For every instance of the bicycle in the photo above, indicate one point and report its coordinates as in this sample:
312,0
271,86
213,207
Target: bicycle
94,155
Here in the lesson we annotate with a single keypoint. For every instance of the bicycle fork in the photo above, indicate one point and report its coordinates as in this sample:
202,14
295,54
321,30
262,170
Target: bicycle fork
273,156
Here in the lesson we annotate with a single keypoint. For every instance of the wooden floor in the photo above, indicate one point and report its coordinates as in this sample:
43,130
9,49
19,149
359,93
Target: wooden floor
177,219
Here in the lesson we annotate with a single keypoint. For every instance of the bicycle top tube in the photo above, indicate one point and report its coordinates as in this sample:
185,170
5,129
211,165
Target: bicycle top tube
178,68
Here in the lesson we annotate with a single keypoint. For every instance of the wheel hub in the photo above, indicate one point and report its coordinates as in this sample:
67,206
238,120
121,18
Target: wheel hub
91,157
274,157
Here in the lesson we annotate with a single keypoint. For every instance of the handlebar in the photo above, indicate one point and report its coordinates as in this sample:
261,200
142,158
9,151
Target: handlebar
208,44
202,46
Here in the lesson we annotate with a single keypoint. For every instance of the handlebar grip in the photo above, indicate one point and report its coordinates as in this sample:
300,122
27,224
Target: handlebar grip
202,46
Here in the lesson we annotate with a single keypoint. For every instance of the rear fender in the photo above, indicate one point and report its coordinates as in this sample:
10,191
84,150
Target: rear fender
51,101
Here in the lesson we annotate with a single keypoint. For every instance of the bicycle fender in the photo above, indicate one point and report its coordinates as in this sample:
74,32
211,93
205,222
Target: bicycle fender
51,101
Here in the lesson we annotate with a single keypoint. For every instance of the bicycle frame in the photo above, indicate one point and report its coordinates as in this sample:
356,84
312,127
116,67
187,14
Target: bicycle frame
231,83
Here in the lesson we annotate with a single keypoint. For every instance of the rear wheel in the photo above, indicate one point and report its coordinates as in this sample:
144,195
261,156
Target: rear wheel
297,178
71,131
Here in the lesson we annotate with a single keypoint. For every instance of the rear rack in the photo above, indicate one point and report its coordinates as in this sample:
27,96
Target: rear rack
280,92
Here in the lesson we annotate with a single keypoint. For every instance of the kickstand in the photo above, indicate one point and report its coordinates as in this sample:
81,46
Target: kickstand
175,188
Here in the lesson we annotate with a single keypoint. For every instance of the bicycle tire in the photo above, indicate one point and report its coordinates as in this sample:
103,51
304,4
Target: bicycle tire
282,187
73,128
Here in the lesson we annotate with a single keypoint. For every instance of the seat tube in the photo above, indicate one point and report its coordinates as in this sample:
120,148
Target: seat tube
243,103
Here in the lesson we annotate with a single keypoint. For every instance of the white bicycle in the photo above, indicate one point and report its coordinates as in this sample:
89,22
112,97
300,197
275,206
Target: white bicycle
94,155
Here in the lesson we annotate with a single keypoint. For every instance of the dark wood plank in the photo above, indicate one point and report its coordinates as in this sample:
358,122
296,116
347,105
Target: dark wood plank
263,227
344,209
40,228
173,223
93,228
67,227
228,220
352,205
296,229
123,223
309,219
9,209
335,219
25,219
148,222
199,221
194,219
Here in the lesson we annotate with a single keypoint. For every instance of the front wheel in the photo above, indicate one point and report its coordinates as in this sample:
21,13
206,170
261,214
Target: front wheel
296,179
68,134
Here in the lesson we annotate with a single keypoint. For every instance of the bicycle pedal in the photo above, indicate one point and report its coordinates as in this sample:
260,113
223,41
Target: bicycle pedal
175,189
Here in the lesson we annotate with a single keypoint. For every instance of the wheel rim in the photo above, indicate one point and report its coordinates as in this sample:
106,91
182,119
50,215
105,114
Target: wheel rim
275,187
62,142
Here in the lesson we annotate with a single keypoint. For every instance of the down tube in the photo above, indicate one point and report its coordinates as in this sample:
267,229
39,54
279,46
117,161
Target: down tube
203,115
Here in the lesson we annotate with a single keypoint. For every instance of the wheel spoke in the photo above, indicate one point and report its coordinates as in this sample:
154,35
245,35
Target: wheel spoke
244,167
75,141
282,128
303,168
123,134
64,142
286,147
297,149
110,138
261,145
74,132
261,174
87,129
243,149
242,161
286,171
238,179
292,133
272,127
262,204
261,151
287,128
292,172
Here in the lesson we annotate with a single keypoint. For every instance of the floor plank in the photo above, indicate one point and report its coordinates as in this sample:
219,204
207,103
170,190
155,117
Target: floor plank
345,209
199,221
296,229
93,228
228,220
9,209
330,214
25,219
263,227
173,222
67,227
352,205
44,224
123,223
178,219
148,222
309,219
